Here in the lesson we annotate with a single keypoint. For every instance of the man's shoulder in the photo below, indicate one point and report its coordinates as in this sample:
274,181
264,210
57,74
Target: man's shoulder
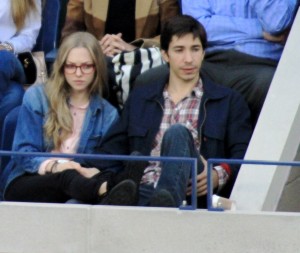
214,89
152,81
218,91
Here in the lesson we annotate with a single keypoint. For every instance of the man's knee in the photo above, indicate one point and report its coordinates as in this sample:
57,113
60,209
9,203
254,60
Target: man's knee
176,130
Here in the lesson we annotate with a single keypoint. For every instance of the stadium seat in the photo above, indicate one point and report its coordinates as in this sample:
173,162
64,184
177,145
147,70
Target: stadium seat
8,131
51,55
180,5
48,36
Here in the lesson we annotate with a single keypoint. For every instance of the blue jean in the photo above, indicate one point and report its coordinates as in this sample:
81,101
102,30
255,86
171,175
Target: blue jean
12,77
177,142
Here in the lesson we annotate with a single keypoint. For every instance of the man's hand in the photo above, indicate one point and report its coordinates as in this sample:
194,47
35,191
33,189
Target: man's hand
202,181
112,44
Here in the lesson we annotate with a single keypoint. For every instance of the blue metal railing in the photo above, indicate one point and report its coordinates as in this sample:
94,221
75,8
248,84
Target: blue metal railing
211,162
191,161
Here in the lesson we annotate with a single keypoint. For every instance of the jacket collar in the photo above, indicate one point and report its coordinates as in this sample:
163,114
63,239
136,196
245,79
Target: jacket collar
96,104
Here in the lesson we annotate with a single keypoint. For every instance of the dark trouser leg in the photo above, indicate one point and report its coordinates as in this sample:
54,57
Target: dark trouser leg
177,142
54,188
10,70
250,76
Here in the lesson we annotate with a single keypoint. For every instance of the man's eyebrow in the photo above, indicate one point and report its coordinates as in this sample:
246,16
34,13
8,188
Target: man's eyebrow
178,46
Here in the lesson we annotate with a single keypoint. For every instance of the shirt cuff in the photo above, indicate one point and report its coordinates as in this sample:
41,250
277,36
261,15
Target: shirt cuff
223,176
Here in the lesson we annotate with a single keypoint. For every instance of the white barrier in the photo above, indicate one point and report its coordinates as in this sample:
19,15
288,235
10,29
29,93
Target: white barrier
276,136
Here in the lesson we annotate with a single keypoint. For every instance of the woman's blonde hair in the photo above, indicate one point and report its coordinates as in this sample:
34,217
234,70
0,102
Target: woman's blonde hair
20,9
59,122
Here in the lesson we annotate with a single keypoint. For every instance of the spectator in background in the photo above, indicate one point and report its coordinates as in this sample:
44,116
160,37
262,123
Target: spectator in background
173,111
245,42
116,29
20,22
66,115
121,26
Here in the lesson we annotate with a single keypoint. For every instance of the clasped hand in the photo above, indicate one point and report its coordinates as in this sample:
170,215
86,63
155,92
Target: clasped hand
86,172
113,44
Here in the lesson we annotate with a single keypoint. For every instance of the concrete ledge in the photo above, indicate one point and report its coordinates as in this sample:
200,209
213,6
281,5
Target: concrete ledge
36,228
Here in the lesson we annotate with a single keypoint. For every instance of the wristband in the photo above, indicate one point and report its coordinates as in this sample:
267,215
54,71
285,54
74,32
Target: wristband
53,166
7,46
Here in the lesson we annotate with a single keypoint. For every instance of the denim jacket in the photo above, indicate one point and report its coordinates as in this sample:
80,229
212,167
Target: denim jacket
29,135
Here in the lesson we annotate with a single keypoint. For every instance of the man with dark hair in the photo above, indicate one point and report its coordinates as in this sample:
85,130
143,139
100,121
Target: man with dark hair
174,112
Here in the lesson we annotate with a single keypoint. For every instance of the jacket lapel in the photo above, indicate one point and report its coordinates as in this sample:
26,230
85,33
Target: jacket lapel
101,8
142,10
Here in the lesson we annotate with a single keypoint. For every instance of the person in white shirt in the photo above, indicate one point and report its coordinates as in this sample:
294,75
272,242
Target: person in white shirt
20,23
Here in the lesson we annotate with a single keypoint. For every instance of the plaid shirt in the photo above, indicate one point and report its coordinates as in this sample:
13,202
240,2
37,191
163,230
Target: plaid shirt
185,112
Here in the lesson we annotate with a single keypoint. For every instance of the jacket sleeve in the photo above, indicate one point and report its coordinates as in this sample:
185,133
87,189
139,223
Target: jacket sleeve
29,131
115,142
239,130
223,26
274,16
226,23
74,18
167,9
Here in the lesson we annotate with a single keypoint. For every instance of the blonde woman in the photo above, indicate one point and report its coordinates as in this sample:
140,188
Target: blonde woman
67,115
20,22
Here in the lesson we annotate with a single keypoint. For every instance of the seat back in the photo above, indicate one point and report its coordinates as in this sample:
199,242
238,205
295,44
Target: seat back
49,33
180,5
8,132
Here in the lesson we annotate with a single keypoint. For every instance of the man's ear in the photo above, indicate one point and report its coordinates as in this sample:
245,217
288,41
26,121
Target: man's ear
164,55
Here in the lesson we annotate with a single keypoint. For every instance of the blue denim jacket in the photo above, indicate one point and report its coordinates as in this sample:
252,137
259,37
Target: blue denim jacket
29,136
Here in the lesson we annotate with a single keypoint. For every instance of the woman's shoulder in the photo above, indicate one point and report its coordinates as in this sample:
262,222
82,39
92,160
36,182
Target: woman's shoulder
35,95
35,90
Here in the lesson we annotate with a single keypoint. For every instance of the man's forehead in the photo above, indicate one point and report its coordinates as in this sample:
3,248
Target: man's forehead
185,38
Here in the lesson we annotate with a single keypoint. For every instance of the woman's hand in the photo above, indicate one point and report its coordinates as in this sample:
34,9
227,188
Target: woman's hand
88,172
67,165
62,165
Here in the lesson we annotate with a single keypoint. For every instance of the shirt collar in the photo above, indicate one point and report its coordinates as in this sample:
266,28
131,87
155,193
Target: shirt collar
197,91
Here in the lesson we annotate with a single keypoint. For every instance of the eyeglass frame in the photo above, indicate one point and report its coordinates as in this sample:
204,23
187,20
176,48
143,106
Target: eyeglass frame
80,67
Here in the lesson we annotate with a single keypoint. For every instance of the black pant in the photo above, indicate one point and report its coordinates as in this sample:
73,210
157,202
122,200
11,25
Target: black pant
57,187
250,76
